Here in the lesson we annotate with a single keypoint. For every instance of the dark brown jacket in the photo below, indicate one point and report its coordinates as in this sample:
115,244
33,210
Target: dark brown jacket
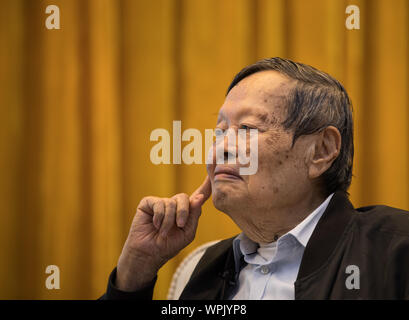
375,239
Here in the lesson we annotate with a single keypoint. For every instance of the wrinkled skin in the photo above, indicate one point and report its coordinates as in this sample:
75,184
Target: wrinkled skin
283,191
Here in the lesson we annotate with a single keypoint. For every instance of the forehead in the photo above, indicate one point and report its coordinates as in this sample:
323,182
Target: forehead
259,94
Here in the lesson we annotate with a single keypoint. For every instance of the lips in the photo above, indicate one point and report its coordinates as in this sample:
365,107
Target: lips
227,172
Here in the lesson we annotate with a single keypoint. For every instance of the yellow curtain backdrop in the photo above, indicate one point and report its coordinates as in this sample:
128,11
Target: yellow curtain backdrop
77,106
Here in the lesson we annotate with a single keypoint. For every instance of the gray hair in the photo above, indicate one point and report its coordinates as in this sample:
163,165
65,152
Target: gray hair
315,102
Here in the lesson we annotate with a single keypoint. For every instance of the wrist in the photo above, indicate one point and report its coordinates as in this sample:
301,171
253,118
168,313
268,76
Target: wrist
132,275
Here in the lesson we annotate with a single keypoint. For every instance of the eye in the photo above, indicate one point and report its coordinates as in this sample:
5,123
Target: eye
245,127
219,132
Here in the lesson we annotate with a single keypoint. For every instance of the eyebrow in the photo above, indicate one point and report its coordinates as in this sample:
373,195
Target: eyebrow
263,116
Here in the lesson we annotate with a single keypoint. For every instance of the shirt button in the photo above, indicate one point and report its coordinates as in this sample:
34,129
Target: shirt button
264,270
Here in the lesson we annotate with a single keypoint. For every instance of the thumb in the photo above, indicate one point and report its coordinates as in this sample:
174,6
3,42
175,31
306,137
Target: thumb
199,196
197,201
205,189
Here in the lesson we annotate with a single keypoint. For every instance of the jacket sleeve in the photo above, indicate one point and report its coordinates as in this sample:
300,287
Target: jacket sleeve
114,293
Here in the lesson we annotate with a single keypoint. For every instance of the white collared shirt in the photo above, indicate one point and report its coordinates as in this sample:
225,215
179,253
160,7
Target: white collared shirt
272,268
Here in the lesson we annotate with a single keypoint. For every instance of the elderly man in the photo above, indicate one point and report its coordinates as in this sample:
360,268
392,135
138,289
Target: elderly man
301,237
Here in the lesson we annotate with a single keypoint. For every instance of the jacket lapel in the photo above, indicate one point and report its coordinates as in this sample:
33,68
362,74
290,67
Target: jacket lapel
210,280
213,274
326,234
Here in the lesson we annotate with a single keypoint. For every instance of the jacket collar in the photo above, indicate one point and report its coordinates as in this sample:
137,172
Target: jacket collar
214,277
245,247
326,234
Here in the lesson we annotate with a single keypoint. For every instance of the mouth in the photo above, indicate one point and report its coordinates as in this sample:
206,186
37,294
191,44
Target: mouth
226,173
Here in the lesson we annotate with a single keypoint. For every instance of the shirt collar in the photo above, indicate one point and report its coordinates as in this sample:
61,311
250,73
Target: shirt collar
302,232
242,245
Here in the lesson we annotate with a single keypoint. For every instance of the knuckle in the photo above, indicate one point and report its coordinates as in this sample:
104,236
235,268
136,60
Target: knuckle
158,204
143,201
181,197
183,211
146,200
171,204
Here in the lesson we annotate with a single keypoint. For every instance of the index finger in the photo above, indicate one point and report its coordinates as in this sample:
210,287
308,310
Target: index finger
205,189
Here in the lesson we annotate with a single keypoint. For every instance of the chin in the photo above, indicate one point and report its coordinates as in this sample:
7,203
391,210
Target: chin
225,201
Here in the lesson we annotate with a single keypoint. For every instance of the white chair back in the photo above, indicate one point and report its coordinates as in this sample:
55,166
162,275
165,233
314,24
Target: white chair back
185,269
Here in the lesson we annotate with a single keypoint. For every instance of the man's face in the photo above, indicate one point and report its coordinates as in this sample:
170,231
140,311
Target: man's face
259,102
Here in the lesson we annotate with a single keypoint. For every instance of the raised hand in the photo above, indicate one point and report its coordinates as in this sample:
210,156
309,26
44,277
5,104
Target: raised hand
160,229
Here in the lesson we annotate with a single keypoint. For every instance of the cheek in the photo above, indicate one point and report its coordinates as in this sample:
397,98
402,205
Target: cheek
277,147
270,166
275,152
277,170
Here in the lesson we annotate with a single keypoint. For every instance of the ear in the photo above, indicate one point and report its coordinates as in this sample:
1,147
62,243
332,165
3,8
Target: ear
326,150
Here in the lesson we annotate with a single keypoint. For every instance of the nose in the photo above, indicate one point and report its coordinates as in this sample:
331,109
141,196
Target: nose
226,148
